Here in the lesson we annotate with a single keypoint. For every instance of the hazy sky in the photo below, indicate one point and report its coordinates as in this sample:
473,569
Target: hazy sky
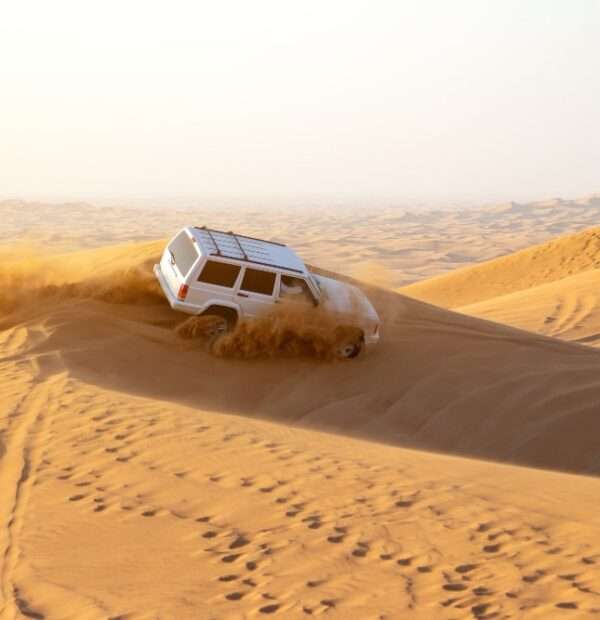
437,101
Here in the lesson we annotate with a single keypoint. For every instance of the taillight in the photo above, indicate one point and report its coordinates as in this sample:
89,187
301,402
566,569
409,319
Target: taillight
183,291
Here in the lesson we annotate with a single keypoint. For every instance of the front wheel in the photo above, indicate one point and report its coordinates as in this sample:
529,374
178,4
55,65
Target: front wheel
349,350
349,343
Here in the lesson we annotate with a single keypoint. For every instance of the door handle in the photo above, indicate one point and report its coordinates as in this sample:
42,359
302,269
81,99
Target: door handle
242,295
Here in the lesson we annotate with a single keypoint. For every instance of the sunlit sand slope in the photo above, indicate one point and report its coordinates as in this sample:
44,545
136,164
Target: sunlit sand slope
116,506
136,480
534,266
438,380
568,309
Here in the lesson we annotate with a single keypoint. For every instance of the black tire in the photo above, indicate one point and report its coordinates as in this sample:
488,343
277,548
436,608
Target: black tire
349,350
225,320
349,343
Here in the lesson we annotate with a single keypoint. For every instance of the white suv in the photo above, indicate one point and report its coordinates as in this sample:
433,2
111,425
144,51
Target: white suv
232,277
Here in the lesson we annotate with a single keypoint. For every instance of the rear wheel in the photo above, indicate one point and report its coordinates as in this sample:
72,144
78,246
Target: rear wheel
210,325
219,321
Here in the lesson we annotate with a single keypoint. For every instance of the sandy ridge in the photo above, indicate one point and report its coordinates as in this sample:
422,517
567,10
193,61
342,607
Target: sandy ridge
538,265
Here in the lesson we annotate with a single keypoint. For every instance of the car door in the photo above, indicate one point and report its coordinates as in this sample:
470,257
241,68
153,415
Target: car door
256,290
215,284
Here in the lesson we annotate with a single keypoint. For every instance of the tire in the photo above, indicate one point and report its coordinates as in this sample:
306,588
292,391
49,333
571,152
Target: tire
219,321
349,343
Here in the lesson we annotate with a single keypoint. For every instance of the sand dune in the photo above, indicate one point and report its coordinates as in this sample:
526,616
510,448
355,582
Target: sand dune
429,383
136,508
538,265
144,477
550,289
567,309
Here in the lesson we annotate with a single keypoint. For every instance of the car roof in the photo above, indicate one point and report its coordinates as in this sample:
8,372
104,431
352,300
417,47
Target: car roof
247,249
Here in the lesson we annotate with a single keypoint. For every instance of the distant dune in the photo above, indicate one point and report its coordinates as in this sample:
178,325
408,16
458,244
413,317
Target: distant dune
538,265
568,308
551,289
390,246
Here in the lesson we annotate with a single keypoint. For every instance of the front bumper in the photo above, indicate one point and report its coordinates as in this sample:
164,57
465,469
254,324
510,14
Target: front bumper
371,340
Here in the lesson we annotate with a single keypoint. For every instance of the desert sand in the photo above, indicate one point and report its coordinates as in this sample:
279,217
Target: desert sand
550,288
448,474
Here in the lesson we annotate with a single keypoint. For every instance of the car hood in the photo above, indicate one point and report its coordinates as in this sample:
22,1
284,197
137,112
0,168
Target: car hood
343,298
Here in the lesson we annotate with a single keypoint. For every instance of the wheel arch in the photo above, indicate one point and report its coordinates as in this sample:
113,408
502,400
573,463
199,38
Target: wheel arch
228,310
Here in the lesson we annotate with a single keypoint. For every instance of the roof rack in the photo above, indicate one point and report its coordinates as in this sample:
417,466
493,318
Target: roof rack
239,245
256,251
229,232
212,239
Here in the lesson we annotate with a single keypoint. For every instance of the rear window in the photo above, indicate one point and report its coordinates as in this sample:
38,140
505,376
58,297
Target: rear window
258,281
222,274
183,253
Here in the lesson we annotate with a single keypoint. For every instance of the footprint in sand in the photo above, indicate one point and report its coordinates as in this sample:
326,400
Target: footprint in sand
465,568
361,550
240,541
455,587
227,578
533,577
295,510
568,605
336,539
314,522
480,610
269,609
492,548
588,560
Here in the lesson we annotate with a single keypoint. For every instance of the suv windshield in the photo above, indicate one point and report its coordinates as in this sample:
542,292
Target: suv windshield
183,253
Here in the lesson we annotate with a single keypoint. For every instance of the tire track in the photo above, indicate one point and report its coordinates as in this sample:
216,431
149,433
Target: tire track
17,473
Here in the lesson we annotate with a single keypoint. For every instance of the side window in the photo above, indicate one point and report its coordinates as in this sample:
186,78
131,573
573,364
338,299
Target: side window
223,274
295,289
258,281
